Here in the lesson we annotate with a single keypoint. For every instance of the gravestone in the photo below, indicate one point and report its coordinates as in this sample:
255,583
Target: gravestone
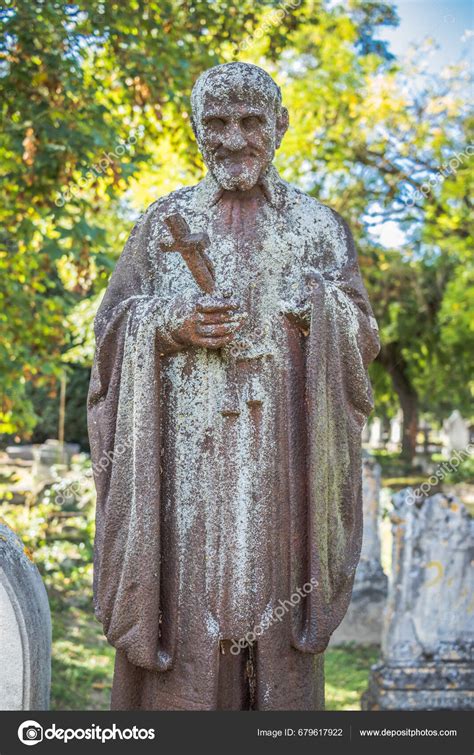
51,460
395,434
456,432
363,621
428,637
25,629
376,433
48,453
23,452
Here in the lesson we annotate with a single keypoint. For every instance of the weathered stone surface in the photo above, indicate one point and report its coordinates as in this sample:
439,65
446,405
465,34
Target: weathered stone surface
428,639
25,629
227,399
363,621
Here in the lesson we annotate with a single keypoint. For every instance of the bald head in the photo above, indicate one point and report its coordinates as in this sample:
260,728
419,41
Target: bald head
232,79
239,122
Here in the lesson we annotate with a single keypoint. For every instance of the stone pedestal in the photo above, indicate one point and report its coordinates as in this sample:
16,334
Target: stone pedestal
428,638
25,629
363,621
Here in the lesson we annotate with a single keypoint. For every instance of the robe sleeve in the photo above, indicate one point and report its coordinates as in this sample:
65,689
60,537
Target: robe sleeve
342,341
133,331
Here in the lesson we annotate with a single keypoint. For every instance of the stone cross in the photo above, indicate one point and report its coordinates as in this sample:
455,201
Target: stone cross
192,248
25,629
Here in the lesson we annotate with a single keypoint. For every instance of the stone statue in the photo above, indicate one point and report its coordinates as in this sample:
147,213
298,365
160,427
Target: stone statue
226,404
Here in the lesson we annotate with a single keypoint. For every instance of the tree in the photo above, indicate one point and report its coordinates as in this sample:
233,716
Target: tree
82,85
379,148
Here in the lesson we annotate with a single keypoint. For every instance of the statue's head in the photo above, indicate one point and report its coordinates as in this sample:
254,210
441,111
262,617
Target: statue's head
239,122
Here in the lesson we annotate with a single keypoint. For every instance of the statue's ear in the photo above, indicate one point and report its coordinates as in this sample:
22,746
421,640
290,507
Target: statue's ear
193,125
283,121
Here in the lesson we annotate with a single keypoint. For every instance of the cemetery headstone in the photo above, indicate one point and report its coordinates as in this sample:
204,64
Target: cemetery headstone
25,629
456,431
428,638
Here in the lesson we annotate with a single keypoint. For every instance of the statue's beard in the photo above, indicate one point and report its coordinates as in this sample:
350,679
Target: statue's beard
237,173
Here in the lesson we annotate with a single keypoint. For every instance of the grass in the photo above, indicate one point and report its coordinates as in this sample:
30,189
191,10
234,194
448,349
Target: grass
347,670
82,662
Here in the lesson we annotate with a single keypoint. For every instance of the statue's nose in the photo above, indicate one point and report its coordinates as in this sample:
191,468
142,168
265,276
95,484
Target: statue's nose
234,139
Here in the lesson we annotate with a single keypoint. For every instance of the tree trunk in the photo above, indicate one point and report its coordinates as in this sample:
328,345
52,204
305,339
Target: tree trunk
409,405
392,360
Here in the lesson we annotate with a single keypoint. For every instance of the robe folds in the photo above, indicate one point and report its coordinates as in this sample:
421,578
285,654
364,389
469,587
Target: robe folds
228,480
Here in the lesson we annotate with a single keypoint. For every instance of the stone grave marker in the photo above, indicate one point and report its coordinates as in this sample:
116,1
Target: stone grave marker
428,637
25,629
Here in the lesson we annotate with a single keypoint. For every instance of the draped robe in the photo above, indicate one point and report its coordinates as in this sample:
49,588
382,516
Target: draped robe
228,479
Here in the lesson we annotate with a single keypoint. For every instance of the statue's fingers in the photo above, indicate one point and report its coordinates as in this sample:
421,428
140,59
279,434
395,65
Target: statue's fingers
214,343
211,318
215,330
217,305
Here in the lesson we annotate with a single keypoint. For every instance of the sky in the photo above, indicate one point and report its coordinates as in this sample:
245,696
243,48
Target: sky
447,21
450,23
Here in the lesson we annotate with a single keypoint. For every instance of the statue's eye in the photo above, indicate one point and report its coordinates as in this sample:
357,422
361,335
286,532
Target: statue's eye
215,123
250,122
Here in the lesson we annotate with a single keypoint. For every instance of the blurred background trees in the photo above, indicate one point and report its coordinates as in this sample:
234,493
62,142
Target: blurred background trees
95,103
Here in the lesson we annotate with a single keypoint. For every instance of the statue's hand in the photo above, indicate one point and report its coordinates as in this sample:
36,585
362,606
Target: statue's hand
212,322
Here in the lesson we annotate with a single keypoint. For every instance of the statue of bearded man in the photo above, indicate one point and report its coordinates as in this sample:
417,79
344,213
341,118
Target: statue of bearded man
227,399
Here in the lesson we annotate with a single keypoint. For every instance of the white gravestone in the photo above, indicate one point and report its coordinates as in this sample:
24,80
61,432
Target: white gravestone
456,432
25,629
376,433
395,436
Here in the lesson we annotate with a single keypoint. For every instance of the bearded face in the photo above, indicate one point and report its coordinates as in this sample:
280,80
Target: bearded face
238,132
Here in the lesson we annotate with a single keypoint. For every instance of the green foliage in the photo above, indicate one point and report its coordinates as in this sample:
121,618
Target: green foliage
464,473
392,464
385,142
85,88
58,529
46,407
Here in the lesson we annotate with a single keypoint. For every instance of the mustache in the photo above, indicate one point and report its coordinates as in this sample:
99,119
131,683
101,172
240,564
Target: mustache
222,152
